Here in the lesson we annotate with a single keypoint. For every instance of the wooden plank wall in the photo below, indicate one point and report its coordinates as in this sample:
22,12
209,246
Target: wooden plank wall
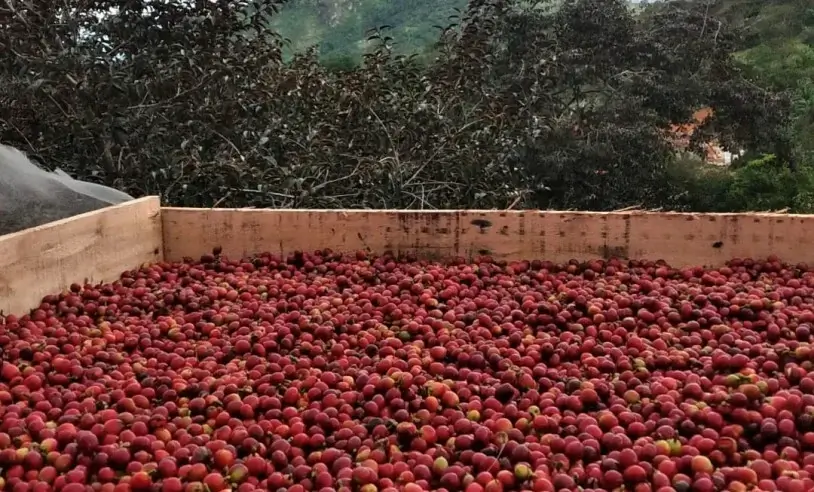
100,245
680,239
97,246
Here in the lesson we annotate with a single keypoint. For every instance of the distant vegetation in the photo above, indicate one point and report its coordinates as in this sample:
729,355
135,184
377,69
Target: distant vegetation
340,28
779,52
777,38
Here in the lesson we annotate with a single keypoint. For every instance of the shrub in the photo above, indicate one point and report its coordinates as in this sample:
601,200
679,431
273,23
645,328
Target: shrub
564,107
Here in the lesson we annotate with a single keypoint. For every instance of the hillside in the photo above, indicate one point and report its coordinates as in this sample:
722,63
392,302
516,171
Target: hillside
770,21
779,39
340,27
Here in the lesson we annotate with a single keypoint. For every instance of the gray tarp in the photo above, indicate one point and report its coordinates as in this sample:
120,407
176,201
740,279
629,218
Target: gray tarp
31,196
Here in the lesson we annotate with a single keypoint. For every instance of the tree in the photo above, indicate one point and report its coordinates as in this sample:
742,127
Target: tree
528,104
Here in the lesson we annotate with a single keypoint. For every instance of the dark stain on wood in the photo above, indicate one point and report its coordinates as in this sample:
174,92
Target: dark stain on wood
404,222
429,254
609,251
456,242
364,242
626,236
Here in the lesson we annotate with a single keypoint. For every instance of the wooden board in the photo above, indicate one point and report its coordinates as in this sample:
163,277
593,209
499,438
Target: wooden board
680,239
98,246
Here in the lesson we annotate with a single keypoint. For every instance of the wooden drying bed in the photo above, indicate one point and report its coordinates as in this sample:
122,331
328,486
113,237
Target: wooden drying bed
99,246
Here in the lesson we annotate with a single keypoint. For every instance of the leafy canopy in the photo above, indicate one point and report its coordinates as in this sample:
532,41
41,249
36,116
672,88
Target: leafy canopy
547,104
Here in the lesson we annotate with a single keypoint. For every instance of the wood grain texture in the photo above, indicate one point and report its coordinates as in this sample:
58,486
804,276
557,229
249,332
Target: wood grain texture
680,239
97,246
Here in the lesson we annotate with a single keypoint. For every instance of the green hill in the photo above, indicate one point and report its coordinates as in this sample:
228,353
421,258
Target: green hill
340,28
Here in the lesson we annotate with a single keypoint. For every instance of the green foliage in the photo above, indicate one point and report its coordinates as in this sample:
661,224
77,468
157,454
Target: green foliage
697,186
758,185
803,120
786,64
765,21
767,184
762,184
